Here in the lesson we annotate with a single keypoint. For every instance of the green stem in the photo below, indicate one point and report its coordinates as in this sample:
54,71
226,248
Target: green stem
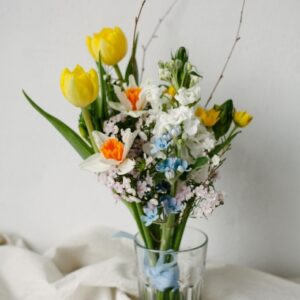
232,131
148,238
133,210
90,127
169,226
181,226
118,72
167,233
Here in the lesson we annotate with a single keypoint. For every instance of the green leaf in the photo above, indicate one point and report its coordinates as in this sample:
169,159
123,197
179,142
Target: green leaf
196,74
224,123
182,54
200,162
102,109
221,146
71,136
132,68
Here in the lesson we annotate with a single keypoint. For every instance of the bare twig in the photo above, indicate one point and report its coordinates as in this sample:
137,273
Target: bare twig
237,38
154,34
136,21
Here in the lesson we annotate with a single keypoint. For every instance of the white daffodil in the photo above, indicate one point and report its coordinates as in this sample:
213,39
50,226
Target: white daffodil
132,99
112,153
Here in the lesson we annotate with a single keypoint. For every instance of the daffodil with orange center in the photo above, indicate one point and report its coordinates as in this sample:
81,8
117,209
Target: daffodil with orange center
132,99
112,153
133,95
112,149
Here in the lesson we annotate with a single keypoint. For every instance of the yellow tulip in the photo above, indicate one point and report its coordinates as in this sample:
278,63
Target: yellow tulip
79,87
242,118
208,117
110,42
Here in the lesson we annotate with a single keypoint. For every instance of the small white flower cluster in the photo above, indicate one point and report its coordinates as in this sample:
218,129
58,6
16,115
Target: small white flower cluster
110,127
207,200
123,190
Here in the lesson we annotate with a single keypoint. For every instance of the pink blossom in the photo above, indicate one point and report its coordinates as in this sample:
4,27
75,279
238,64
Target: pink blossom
141,188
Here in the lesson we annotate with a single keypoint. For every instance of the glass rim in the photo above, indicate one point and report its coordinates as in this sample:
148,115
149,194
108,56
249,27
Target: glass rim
138,244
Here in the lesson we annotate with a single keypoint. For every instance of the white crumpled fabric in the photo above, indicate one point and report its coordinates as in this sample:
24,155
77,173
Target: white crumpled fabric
96,266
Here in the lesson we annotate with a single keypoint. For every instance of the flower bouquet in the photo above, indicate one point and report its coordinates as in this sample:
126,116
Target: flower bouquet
158,147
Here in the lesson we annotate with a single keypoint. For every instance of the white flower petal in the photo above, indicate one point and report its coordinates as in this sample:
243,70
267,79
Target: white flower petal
122,97
135,113
141,103
128,139
187,96
116,106
94,164
99,138
131,81
126,166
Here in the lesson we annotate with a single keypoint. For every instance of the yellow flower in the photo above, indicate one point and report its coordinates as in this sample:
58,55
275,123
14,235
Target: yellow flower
79,87
208,117
171,91
242,118
112,44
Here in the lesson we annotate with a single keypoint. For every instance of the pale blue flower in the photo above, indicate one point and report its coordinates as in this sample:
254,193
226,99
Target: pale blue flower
171,165
171,205
161,143
151,215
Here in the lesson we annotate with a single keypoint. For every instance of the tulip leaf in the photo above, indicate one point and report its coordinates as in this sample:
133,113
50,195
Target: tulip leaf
221,146
132,68
224,123
200,162
71,136
102,73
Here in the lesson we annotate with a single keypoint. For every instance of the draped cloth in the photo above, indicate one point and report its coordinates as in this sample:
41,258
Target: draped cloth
96,266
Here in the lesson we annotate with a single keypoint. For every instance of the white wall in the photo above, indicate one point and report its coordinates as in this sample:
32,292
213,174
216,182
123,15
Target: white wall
43,194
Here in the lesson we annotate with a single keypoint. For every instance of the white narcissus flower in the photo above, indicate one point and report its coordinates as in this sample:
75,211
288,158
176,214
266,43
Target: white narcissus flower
112,153
132,99
187,96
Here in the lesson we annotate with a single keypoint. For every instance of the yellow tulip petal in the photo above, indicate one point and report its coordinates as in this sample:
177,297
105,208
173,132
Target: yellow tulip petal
112,44
79,87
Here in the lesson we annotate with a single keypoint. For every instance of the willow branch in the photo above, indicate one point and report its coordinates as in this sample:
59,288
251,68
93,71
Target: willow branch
154,34
237,38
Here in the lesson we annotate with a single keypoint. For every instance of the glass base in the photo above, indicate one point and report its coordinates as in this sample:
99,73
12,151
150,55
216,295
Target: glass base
172,275
194,292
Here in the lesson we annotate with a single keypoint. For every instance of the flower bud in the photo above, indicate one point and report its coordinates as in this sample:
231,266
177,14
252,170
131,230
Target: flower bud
242,118
110,42
79,87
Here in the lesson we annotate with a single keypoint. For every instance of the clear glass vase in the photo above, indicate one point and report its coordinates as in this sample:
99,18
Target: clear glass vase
172,275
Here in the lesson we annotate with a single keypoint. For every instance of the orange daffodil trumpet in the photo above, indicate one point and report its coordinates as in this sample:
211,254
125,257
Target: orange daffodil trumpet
112,153
132,99
110,42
